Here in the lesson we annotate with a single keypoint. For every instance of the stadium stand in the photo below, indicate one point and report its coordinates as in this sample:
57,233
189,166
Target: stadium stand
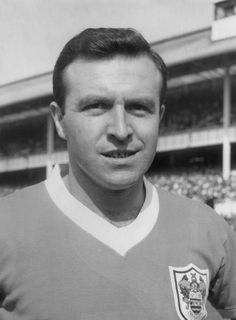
23,138
193,108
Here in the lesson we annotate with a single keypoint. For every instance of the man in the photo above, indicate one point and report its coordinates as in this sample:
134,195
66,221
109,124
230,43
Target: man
100,242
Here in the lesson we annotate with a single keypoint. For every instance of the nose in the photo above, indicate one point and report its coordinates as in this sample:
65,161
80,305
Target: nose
118,126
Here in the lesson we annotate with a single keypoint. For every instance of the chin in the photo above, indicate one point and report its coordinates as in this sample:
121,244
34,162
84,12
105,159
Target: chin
121,183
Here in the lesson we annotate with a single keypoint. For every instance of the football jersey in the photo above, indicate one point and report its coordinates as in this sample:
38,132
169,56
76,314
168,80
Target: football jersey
59,260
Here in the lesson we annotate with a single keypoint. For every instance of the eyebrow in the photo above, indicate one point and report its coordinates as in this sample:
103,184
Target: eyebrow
141,101
96,99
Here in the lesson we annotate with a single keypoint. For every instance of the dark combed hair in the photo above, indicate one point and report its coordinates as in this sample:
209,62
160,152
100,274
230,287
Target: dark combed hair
100,44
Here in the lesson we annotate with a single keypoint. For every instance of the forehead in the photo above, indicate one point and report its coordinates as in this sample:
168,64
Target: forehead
116,76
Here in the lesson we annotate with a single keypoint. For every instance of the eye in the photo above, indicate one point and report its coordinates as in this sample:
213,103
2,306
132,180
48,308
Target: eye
96,108
138,109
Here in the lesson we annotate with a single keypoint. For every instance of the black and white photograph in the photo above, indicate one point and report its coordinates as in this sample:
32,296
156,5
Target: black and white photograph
117,160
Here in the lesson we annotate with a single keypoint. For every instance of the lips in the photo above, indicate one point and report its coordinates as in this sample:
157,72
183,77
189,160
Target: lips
119,154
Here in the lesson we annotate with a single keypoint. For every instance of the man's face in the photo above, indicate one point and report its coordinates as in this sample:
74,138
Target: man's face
111,120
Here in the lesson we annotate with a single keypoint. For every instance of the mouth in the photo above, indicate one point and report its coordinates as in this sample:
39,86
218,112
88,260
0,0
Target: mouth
119,154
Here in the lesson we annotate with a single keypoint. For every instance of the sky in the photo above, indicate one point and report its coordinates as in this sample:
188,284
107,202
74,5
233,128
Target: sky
33,32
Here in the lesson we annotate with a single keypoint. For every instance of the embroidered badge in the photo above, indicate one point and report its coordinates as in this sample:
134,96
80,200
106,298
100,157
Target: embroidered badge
190,288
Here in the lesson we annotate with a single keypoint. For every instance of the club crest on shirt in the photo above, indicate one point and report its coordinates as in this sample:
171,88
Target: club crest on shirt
190,288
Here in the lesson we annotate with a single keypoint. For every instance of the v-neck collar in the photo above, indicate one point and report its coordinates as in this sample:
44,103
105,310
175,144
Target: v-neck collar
119,239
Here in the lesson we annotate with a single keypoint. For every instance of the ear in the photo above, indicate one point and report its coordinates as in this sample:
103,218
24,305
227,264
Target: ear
57,116
162,111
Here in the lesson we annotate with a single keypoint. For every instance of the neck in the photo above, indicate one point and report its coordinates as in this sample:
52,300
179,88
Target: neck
120,207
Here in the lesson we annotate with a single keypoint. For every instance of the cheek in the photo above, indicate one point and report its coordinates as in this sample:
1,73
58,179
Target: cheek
150,145
82,134
73,130
149,133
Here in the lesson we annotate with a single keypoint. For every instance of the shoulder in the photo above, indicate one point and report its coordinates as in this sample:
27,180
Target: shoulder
29,220
24,198
181,205
192,214
21,208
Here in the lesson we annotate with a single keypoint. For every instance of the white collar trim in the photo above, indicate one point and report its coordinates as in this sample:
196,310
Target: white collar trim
119,239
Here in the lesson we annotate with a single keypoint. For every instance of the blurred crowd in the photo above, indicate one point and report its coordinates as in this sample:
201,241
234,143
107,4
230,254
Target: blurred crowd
191,115
204,184
23,145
